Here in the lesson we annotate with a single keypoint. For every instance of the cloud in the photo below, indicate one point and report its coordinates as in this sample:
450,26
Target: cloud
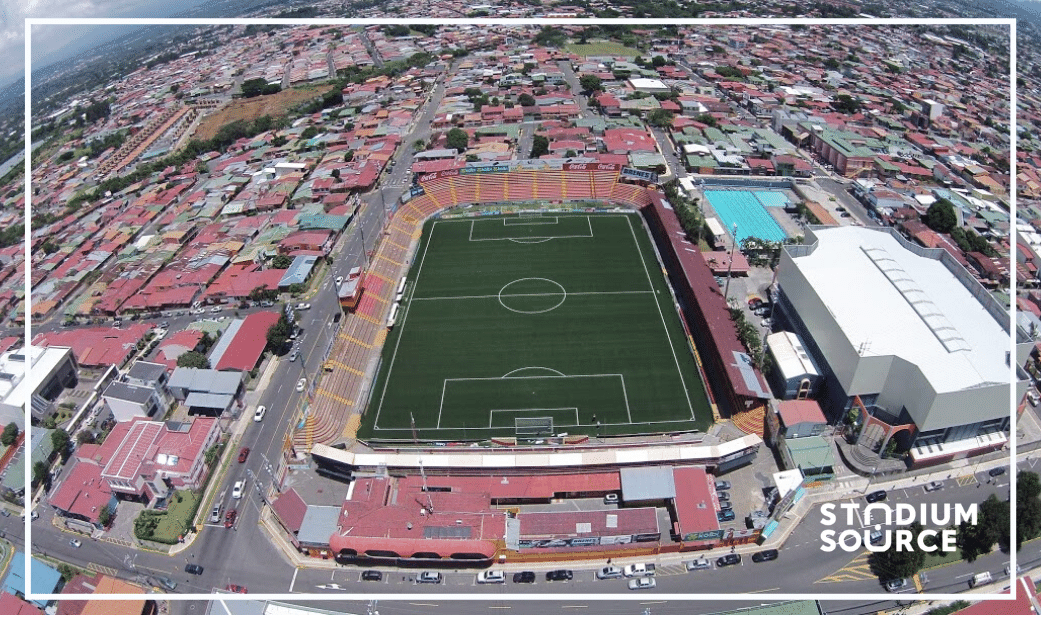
49,40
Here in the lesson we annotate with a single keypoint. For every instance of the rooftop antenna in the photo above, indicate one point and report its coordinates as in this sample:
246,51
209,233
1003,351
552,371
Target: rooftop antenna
426,492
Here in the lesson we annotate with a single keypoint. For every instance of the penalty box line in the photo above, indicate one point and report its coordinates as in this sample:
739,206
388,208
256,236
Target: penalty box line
589,222
444,388
532,411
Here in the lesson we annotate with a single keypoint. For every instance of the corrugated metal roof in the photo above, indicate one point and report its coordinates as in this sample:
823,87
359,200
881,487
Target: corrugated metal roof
647,483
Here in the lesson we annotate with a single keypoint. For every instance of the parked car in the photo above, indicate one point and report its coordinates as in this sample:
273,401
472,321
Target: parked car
491,577
259,415
371,576
876,496
934,486
608,572
243,454
237,589
429,577
722,485
194,569
642,583
524,577
636,570
725,506
727,515
559,575
765,556
216,309
895,584
997,471
698,564
611,499
237,490
229,519
167,583
723,495
876,537
728,560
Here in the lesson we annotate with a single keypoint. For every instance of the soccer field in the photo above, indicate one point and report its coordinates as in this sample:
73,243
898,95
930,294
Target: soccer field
526,326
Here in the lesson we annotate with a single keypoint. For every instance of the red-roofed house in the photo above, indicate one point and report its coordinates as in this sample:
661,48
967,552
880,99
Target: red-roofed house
309,240
149,459
11,605
1025,604
247,343
83,494
628,141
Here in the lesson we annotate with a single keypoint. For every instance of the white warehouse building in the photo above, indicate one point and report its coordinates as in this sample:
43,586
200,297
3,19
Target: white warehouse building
906,338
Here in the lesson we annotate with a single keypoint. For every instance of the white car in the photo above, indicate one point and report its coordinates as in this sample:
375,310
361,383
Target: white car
934,486
643,583
491,577
300,385
303,306
698,564
608,572
635,570
429,577
76,542
259,416
216,309
236,492
339,280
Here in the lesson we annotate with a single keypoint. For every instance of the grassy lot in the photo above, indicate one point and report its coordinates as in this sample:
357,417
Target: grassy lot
176,518
248,109
934,559
602,48
560,317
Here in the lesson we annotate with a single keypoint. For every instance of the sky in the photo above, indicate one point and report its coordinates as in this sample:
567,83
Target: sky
52,43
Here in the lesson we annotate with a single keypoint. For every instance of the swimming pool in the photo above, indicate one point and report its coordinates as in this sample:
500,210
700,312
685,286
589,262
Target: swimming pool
743,208
772,199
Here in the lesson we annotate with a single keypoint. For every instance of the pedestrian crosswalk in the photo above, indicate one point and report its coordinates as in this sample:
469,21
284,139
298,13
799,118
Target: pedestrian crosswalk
857,569
99,568
968,479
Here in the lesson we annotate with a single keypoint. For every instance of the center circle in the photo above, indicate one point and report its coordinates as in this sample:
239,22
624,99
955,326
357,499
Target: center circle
532,295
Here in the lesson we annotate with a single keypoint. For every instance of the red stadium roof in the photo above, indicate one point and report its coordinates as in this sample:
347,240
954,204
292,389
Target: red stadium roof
409,547
696,503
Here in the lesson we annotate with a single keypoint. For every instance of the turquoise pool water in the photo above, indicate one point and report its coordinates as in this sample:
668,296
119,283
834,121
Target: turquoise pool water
772,199
743,207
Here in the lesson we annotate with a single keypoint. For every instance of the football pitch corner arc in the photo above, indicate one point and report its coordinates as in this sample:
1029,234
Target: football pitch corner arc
450,358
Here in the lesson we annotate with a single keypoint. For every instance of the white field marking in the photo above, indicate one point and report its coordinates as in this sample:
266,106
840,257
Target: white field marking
491,414
529,241
470,428
444,389
479,296
562,291
532,239
531,221
690,406
401,326
523,368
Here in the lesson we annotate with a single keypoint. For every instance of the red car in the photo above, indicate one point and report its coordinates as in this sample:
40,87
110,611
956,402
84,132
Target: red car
229,519
243,454
236,588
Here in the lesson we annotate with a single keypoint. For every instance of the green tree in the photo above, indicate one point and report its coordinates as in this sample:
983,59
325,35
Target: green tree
458,139
85,436
539,146
525,100
658,61
40,473
106,515
1028,506
660,118
992,526
590,83
308,133
281,262
348,156
9,435
707,119
60,441
846,104
894,564
278,333
194,359
941,216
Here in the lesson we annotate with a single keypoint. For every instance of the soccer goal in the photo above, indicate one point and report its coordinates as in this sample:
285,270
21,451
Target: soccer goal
534,426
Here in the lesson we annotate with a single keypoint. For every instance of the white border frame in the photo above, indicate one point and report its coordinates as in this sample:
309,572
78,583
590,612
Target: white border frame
642,598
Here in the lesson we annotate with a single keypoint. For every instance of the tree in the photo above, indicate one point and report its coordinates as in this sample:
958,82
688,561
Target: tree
85,436
348,156
279,333
992,526
193,359
658,61
106,515
660,118
846,104
60,441
525,100
281,262
590,83
894,564
940,216
707,119
458,139
9,435
308,133
539,146
1028,506
40,473
336,174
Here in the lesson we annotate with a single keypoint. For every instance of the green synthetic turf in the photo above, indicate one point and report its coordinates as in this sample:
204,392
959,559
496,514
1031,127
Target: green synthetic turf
558,316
